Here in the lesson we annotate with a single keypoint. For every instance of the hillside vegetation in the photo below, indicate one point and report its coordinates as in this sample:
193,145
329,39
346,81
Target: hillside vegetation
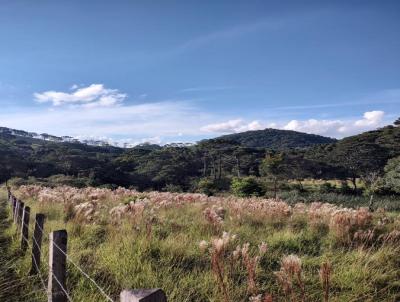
209,166
277,139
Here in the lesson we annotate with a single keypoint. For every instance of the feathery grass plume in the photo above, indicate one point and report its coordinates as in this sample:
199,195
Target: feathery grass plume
325,272
257,298
392,238
291,274
251,263
261,298
86,212
214,216
219,253
364,238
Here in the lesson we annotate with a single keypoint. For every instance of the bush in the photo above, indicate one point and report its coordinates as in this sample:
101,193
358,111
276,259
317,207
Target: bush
392,175
247,186
211,186
173,188
327,188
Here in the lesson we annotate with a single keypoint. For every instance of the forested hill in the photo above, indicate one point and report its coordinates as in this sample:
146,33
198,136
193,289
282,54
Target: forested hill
368,151
183,166
277,139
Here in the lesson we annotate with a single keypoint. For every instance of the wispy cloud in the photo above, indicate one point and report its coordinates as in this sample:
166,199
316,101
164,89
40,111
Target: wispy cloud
209,88
229,33
387,96
92,96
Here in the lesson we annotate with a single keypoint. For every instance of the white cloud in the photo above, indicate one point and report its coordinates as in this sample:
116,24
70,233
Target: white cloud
135,123
371,118
338,128
334,128
231,126
94,95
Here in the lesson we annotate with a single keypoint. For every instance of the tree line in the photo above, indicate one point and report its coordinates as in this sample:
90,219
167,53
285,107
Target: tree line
210,165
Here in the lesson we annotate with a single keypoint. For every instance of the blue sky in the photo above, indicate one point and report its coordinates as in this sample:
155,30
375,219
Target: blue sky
169,71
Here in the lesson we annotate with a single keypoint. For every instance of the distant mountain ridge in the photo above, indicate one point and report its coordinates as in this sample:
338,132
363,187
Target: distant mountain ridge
277,139
53,138
267,138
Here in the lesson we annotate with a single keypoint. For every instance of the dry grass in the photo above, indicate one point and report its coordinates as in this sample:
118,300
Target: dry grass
200,248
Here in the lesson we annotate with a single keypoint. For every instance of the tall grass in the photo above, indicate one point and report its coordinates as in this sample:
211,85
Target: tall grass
271,250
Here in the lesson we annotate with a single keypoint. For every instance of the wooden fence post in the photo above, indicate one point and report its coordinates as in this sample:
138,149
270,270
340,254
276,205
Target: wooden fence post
15,214
20,214
25,228
56,290
14,205
143,295
37,243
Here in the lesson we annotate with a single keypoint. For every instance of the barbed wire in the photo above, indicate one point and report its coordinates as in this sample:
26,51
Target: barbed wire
84,273
62,288
39,273
34,260
69,260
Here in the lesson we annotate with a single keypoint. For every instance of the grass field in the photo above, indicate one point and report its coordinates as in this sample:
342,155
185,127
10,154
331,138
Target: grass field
199,248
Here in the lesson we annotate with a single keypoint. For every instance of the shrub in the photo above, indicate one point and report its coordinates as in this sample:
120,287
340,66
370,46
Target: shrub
211,186
247,186
173,188
327,188
392,174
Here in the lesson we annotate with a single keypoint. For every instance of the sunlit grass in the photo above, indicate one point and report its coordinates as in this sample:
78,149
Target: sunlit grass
165,253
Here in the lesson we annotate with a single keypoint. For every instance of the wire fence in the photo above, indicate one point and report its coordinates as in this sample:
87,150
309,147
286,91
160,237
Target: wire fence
56,277
86,275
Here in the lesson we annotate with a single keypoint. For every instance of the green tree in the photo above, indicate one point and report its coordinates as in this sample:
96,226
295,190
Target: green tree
392,174
272,167
397,122
246,186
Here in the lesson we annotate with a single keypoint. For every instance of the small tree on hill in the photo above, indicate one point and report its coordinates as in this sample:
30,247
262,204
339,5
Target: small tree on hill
247,186
397,122
392,174
272,168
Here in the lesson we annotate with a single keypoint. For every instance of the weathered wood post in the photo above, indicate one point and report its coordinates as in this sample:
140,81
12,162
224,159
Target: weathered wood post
14,205
37,244
20,214
143,295
56,290
15,213
25,228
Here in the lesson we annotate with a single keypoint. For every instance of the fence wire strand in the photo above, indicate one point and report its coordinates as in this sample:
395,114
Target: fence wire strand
69,260
35,263
62,288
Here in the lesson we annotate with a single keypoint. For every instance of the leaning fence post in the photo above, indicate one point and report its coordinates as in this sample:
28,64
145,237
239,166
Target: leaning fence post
20,214
143,295
56,290
25,228
14,205
37,243
15,214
